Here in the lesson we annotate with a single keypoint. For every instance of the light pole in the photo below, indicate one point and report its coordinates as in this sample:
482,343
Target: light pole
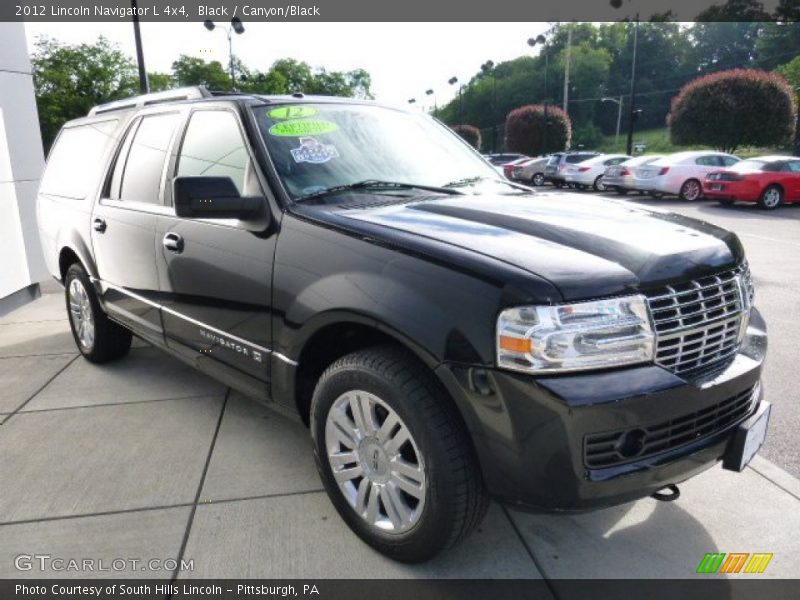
430,93
488,68
618,102
237,28
144,84
541,40
452,81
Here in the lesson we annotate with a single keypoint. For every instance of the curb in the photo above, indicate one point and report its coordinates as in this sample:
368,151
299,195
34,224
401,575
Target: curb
776,475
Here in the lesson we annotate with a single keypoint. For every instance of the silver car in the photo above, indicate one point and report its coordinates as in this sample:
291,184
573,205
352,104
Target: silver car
621,178
530,171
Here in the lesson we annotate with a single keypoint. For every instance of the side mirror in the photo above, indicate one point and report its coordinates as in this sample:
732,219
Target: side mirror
213,198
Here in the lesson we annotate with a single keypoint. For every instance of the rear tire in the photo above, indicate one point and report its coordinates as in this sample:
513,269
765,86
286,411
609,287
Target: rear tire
440,497
691,190
537,180
598,184
98,338
771,197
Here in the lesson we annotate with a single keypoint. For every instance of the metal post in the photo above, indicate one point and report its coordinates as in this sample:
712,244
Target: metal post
144,84
632,114
230,58
566,66
619,120
544,127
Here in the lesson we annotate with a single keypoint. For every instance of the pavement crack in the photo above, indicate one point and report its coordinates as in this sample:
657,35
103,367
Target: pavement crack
192,513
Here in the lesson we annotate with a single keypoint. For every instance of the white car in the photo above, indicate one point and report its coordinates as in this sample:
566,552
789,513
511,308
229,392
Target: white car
681,174
621,177
590,172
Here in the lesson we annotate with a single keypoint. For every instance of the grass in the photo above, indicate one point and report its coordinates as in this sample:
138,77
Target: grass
658,142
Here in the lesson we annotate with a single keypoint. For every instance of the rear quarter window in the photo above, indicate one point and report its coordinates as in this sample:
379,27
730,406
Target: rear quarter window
75,162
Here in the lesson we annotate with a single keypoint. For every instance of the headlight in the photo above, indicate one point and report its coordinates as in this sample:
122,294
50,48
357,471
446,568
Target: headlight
572,337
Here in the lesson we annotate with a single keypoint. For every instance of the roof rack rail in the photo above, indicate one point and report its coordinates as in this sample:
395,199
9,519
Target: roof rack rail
176,95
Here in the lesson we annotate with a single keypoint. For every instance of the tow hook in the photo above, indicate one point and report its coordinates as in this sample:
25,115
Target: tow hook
669,493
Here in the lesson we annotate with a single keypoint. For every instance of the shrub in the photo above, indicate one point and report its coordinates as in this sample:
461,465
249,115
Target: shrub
470,133
525,130
731,109
588,136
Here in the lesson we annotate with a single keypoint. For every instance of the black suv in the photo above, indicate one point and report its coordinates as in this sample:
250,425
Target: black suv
446,335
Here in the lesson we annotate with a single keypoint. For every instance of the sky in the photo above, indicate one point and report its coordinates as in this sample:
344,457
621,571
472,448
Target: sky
404,59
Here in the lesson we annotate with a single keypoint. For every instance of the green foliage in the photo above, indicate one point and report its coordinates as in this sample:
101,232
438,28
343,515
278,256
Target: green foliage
470,133
588,136
160,81
730,109
189,70
525,130
71,79
791,72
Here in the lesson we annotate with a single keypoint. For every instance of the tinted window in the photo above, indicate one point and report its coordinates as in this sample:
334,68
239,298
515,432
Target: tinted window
76,160
729,160
793,166
576,158
213,146
144,166
708,161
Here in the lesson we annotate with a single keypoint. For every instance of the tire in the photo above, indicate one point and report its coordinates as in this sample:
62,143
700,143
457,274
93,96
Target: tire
537,180
97,337
725,202
771,197
691,190
655,195
449,499
621,191
598,184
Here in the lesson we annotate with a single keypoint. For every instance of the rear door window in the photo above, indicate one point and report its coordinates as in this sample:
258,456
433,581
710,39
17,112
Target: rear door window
146,159
76,160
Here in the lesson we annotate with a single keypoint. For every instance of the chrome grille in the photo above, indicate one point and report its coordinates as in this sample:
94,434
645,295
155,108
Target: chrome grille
698,323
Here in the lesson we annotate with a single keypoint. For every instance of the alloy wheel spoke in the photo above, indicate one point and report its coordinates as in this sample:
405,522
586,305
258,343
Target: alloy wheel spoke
373,505
387,427
361,498
363,414
408,478
398,439
396,509
346,431
344,475
342,459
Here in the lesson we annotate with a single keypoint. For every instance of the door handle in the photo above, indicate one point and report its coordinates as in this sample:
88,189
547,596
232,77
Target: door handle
99,225
173,242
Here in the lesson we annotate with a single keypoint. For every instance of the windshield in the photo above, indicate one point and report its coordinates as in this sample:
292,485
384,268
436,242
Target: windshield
316,147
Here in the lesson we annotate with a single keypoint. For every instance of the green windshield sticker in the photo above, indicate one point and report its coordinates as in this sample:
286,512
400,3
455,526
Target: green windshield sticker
292,112
302,127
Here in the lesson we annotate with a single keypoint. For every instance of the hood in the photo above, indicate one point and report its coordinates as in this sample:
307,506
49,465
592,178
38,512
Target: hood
585,246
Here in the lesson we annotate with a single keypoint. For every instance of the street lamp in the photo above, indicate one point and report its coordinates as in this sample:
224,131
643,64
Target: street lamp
430,93
488,68
541,40
236,27
618,102
452,81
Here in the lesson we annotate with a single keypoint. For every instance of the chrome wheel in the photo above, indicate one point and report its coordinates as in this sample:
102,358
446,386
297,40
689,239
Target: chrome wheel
691,190
538,180
375,461
80,313
772,197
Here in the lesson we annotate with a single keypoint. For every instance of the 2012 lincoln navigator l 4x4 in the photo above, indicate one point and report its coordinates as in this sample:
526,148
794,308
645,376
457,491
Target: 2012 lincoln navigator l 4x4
446,335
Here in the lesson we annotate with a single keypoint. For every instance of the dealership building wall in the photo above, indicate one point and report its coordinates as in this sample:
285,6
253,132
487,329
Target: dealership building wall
21,162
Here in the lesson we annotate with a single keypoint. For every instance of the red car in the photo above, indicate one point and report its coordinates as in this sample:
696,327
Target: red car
767,180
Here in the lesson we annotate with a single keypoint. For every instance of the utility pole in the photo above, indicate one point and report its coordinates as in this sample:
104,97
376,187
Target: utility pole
632,115
566,66
144,84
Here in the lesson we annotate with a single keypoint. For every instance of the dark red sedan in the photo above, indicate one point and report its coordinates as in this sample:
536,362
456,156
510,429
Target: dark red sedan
767,180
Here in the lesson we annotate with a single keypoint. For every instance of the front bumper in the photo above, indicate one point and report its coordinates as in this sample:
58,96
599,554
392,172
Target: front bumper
530,433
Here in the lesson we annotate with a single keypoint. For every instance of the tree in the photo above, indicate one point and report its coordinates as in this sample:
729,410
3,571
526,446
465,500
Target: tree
160,82
70,79
470,134
525,130
731,109
188,70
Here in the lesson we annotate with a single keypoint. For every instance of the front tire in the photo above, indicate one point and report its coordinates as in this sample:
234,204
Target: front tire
394,455
691,190
98,338
771,197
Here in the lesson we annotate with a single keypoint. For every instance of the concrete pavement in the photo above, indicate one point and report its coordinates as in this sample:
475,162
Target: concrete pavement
147,459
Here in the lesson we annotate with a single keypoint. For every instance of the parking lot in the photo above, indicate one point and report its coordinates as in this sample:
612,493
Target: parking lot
148,459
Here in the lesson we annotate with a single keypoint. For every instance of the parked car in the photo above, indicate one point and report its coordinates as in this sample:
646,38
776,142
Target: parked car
504,158
767,180
508,168
589,173
446,336
621,177
530,170
556,167
681,173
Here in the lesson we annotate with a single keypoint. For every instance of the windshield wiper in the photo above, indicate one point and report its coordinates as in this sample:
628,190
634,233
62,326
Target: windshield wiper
472,180
376,184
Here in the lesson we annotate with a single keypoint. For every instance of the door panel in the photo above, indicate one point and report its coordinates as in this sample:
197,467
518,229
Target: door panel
124,225
215,275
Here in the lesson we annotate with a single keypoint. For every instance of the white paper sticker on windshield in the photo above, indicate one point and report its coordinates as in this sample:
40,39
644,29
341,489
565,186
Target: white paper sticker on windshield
313,151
